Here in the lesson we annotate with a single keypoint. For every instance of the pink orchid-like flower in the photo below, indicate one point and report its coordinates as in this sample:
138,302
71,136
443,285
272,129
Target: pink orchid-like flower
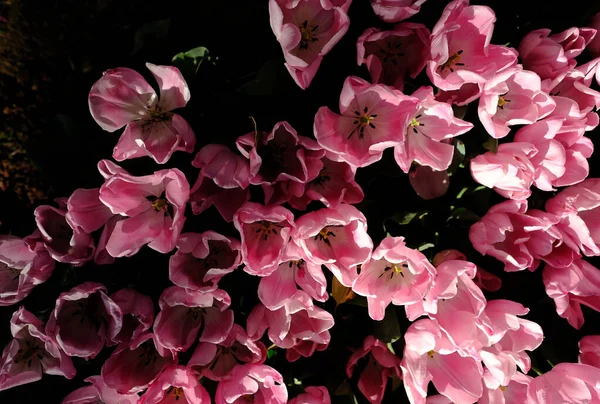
175,384
134,365
84,319
138,314
63,242
519,238
578,208
122,97
382,364
153,205
460,47
390,55
223,181
265,233
277,289
183,312
333,186
428,183
509,171
565,383
30,353
427,132
24,263
281,159
571,287
513,393
396,10
373,118
299,326
203,259
336,238
395,274
430,356
307,30
589,350
216,361
312,395
252,383
97,392
513,97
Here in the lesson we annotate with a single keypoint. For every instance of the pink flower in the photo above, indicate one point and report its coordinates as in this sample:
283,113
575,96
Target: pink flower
276,290
183,312
281,156
576,86
513,393
153,205
571,287
64,243
216,361
390,55
299,326
312,395
334,185
382,364
513,97
138,314
134,365
427,132
373,118
589,350
394,274
24,263
265,234
252,382
175,383
203,259
483,279
460,47
565,383
428,183
122,97
578,208
396,10
84,319
31,353
307,30
98,391
509,171
86,211
517,237
223,181
336,238
429,356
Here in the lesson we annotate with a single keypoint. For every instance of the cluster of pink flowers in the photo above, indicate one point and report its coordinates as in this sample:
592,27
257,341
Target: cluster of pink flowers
470,348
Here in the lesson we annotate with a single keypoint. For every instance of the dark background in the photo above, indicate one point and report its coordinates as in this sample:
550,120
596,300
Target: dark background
52,52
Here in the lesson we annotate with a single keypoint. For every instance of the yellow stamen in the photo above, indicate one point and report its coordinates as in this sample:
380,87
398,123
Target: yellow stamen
160,204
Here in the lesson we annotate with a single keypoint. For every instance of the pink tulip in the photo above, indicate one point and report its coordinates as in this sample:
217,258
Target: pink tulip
203,259
396,10
576,86
86,211
183,312
30,353
589,350
513,393
134,365
216,361
97,392
122,97
175,384
24,263
307,30
427,183
84,319
394,274
153,205
390,55
223,181
373,118
565,383
254,383
336,238
483,279
382,365
138,314
312,395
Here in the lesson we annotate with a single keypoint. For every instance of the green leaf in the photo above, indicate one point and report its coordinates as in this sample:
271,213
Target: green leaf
463,214
425,246
491,144
271,353
388,329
